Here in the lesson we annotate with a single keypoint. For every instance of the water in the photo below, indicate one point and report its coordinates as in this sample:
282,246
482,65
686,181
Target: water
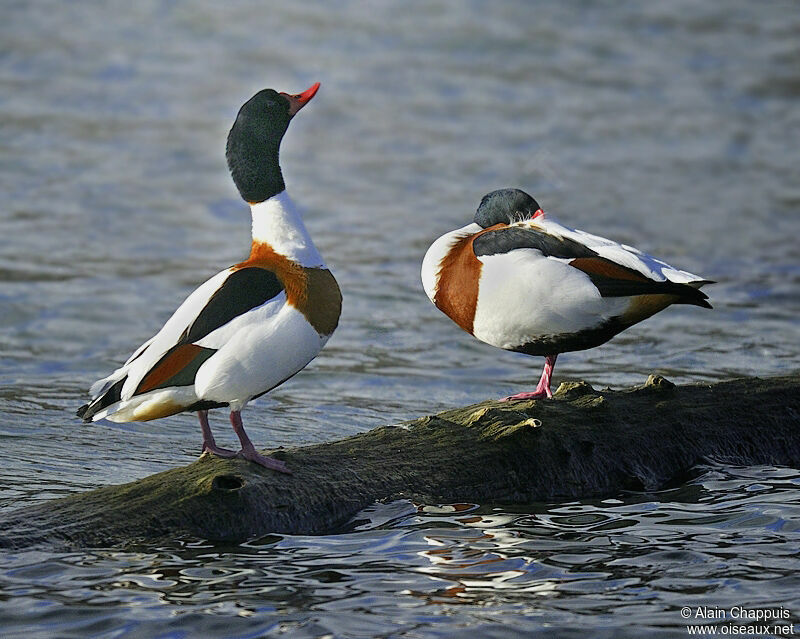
623,567
672,126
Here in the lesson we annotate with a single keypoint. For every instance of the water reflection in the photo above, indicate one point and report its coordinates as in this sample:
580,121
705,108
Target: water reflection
728,537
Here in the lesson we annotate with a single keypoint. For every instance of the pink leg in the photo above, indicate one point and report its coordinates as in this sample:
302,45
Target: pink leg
543,388
208,438
248,450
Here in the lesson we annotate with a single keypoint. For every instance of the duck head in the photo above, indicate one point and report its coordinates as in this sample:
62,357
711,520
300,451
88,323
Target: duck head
255,138
506,206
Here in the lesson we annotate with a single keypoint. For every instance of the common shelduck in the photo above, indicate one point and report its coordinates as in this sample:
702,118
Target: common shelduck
517,279
252,326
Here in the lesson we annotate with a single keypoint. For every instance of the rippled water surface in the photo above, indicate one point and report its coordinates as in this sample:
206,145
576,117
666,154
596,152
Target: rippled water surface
673,126
620,567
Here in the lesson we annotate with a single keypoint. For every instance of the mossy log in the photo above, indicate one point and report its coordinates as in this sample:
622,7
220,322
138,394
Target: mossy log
584,443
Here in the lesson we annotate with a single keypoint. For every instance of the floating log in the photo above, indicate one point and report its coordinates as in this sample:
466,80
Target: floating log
583,443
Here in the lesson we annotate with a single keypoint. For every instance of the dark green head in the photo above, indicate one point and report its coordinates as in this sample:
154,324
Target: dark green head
504,207
255,138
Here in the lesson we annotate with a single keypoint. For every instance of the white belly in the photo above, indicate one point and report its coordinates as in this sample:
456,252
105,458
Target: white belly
257,358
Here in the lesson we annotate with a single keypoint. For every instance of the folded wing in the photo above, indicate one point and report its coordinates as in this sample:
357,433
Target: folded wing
173,357
621,272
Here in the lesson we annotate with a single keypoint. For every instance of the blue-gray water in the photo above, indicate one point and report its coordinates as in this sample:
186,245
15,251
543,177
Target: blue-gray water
673,126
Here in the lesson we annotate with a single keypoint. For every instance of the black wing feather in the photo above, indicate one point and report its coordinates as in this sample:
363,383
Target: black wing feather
111,396
515,237
242,291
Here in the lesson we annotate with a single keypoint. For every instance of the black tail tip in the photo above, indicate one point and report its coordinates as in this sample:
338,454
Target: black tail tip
696,296
82,413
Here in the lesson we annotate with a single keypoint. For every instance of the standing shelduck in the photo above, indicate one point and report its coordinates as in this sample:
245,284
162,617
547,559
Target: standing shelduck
252,326
517,279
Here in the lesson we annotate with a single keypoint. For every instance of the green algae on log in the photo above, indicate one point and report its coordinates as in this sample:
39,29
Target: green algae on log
584,443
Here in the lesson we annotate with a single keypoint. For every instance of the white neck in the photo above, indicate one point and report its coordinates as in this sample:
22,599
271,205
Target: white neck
277,222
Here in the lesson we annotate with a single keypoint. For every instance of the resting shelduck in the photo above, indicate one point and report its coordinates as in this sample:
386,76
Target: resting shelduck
252,326
517,279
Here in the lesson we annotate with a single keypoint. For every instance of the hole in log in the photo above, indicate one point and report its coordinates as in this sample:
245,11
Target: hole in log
227,482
